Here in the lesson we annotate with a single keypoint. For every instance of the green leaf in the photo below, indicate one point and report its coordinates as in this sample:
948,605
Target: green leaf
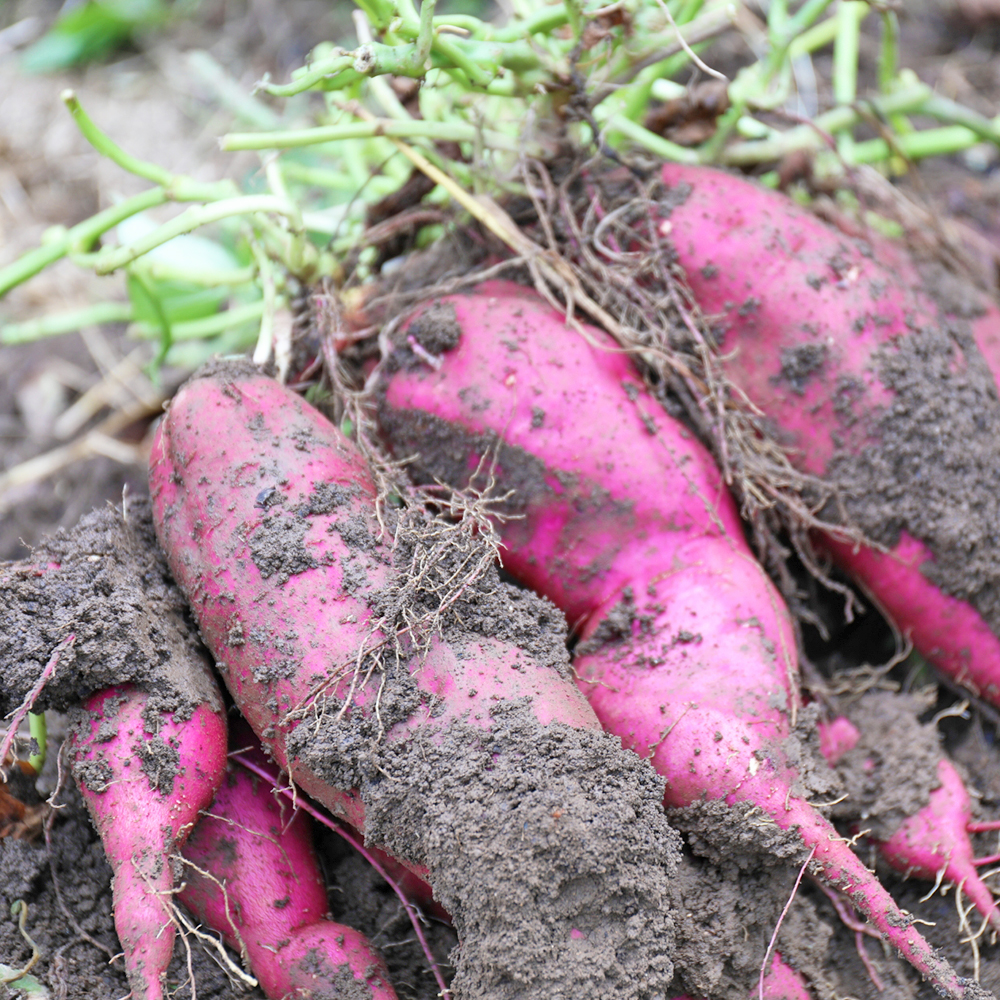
26,984
145,299
89,32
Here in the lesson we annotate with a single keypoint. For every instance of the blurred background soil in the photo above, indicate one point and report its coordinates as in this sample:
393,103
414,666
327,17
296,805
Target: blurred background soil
153,99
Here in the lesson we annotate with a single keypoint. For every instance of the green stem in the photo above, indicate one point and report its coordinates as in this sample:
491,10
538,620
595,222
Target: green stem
907,99
777,18
66,322
818,36
208,278
888,57
688,11
335,180
332,66
783,31
209,326
107,147
845,51
659,46
450,48
409,129
39,731
953,113
426,37
379,12
783,34
544,22
845,63
79,237
202,215
917,145
141,286
574,18
653,142
178,187
408,13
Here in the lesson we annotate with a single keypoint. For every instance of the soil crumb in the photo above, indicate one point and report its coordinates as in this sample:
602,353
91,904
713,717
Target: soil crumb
737,904
104,581
891,772
572,859
547,844
933,470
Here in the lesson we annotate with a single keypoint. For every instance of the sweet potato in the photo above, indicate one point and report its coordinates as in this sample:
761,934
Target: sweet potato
621,518
145,775
932,843
781,982
148,749
255,879
874,387
451,736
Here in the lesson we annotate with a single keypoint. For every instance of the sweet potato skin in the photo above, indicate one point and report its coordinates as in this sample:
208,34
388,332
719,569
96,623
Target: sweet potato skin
272,574
145,776
488,742
933,842
685,649
612,496
255,879
804,330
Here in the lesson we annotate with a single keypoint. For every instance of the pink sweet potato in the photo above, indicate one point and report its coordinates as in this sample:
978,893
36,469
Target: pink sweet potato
145,775
781,982
463,749
621,518
876,388
149,748
255,879
934,842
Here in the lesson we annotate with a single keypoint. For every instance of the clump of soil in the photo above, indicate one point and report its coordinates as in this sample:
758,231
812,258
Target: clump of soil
891,772
547,844
736,903
933,468
106,583
569,892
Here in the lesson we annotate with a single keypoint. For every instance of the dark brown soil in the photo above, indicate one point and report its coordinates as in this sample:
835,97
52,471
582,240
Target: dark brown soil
105,582
941,430
891,738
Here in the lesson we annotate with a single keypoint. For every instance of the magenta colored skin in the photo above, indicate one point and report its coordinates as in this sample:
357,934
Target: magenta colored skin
704,685
858,306
986,330
936,838
949,632
141,827
275,900
579,545
933,840
231,433
837,737
782,982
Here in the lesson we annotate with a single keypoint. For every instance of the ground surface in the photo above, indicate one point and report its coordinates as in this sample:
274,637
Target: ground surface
150,100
